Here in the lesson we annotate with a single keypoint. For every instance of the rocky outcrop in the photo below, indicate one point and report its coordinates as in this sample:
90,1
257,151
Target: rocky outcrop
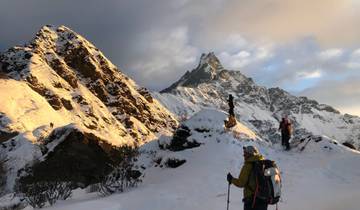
82,158
180,140
4,136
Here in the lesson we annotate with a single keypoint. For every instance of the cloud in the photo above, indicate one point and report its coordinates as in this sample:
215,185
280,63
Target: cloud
330,53
309,75
238,53
353,65
356,53
351,109
343,95
331,22
164,56
292,44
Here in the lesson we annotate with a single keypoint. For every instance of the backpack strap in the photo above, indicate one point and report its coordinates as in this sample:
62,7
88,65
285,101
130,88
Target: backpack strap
255,172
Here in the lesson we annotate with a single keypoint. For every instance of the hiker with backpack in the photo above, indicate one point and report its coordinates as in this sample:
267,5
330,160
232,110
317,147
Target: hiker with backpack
285,128
231,122
260,179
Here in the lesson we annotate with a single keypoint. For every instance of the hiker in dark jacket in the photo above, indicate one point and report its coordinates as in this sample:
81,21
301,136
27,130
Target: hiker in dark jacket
285,128
247,180
231,105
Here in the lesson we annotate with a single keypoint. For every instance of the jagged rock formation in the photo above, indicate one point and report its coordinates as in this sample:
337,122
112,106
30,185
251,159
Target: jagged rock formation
206,71
260,107
59,79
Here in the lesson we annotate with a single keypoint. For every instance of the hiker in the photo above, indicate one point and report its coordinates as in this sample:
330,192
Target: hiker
285,128
231,105
231,122
247,180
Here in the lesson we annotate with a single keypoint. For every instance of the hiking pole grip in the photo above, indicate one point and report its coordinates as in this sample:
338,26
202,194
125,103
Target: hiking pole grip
228,196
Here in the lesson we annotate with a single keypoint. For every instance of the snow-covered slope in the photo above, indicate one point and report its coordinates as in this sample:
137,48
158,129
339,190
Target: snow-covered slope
81,86
61,81
324,176
209,85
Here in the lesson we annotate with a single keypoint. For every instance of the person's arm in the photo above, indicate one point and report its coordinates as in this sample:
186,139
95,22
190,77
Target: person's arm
243,176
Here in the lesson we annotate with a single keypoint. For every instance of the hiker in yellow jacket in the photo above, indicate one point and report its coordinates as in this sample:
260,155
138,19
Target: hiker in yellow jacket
247,180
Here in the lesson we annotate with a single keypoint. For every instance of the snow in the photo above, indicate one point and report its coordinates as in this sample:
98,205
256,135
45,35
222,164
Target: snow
41,91
315,178
256,106
325,175
26,109
29,111
214,120
20,151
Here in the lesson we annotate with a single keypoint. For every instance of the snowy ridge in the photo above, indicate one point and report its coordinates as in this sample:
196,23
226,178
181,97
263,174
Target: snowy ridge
324,176
258,107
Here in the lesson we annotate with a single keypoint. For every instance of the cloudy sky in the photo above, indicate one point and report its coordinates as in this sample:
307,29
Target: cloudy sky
307,47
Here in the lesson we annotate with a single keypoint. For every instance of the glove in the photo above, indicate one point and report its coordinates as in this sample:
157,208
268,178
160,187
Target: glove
229,178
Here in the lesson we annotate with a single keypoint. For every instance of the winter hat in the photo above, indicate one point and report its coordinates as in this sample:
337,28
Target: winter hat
251,150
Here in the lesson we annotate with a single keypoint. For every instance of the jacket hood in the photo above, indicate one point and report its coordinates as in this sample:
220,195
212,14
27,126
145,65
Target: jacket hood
255,158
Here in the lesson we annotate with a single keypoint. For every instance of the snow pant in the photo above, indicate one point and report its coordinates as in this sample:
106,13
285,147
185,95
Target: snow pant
259,204
285,137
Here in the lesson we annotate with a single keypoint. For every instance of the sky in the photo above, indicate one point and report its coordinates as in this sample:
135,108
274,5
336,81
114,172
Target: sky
306,47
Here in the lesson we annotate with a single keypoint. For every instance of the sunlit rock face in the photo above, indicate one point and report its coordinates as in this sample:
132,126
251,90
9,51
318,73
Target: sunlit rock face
60,80
209,84
72,75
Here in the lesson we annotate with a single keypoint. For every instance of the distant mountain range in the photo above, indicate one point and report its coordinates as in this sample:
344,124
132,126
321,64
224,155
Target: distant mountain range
209,84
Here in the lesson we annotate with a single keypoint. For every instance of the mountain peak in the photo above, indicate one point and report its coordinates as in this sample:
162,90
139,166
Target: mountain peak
208,69
69,72
211,60
59,39
50,31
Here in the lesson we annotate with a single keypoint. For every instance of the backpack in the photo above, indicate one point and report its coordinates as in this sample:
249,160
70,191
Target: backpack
289,128
268,181
286,127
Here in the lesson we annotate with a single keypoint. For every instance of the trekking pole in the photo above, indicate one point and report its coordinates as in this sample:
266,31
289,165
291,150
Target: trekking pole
228,195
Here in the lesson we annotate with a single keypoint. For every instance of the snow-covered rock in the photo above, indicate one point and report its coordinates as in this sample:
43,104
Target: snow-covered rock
60,80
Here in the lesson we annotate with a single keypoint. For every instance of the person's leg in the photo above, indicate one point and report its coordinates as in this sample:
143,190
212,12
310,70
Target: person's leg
248,206
287,143
231,111
247,203
260,205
